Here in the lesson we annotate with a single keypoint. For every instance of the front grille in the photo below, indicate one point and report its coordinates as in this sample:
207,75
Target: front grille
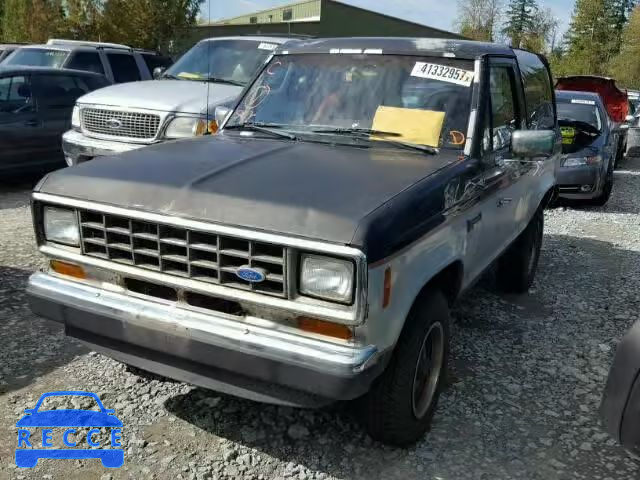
203,256
120,124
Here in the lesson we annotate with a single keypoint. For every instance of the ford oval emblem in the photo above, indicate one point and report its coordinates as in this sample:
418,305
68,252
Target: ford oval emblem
114,123
251,275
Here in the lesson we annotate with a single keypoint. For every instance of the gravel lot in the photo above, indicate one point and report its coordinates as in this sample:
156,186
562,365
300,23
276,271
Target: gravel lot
528,375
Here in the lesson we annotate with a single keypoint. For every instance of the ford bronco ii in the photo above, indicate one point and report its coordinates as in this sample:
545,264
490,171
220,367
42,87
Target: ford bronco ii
310,251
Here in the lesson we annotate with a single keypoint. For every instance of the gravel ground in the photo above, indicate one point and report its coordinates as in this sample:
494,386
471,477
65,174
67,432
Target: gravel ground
526,383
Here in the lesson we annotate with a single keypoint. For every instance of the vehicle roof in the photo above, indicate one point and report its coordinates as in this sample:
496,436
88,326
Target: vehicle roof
26,69
402,46
252,38
569,94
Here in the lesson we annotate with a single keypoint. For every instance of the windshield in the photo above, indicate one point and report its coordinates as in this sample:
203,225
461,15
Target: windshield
419,100
586,112
231,60
38,57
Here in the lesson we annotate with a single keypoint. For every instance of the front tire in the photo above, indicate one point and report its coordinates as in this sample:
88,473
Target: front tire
517,267
607,188
399,407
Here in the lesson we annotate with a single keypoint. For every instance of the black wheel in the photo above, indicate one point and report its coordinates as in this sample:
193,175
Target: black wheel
517,267
399,407
607,188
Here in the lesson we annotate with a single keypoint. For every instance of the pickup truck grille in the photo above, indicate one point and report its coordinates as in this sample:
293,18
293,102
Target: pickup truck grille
203,256
120,124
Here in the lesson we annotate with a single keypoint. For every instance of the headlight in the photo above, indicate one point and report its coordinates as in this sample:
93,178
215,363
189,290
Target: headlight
75,118
327,278
61,226
185,127
577,161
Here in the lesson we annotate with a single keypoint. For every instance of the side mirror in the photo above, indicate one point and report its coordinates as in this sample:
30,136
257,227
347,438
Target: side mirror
158,72
533,143
221,114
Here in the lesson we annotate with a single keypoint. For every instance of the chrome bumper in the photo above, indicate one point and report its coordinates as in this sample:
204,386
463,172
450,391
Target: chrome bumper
212,350
79,148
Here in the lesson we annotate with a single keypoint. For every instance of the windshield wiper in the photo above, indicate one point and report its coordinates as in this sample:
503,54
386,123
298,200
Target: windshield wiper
367,132
268,128
356,132
224,80
172,77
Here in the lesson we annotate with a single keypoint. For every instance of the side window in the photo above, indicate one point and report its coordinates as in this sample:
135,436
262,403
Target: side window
503,112
124,67
87,61
153,61
15,94
538,92
59,92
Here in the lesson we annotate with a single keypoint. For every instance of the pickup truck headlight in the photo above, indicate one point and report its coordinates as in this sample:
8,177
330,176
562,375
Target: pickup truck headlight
61,226
75,118
185,127
327,278
577,161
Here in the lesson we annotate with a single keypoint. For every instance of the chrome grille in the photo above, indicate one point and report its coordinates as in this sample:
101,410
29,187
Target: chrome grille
120,124
203,256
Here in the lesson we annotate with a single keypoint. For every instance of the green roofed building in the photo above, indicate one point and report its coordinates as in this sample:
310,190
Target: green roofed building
318,18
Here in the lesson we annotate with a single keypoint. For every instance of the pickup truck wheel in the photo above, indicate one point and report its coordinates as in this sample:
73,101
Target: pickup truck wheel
517,267
399,407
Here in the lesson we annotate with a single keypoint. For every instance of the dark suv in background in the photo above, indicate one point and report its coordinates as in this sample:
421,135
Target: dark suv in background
35,109
119,63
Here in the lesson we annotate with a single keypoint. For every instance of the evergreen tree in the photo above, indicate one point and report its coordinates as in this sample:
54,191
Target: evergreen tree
520,20
624,66
591,39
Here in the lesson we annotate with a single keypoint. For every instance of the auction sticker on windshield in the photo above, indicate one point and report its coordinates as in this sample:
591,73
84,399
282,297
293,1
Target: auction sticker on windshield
582,102
443,73
267,46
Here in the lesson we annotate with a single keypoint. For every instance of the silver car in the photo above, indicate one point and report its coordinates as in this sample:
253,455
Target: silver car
180,104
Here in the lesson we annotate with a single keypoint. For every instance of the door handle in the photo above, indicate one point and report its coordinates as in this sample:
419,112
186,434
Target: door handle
473,222
31,123
504,201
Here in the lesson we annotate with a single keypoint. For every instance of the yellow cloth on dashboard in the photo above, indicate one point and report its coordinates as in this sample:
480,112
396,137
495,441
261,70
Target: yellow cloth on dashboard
414,126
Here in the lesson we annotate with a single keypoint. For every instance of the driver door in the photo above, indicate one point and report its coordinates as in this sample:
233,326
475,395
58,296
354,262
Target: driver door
18,122
502,176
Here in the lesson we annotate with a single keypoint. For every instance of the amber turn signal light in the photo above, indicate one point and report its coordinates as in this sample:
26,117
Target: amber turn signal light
313,325
69,269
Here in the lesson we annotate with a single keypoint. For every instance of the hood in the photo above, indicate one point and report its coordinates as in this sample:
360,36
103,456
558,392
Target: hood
183,96
313,190
614,99
69,418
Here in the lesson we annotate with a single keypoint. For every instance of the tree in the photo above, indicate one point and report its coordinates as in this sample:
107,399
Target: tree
478,19
31,20
154,24
82,18
591,39
520,20
540,38
624,66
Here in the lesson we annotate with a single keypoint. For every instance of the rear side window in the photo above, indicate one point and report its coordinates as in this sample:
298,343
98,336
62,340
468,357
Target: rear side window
538,91
124,67
87,61
153,61
59,92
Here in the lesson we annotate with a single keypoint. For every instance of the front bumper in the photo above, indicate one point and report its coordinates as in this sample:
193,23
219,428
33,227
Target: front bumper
571,179
212,350
79,148
620,408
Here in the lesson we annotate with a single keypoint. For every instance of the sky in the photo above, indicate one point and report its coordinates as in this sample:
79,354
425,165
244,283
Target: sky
435,13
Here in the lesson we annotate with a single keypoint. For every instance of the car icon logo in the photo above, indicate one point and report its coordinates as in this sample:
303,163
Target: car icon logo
252,275
114,123
29,451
